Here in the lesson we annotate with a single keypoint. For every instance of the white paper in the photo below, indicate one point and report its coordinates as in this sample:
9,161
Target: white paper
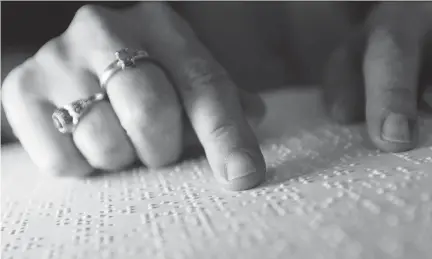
330,194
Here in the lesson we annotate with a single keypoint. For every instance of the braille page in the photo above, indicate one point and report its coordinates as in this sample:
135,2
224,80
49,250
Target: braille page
329,194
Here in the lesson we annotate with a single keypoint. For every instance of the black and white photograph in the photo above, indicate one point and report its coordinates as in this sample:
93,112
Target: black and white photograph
216,130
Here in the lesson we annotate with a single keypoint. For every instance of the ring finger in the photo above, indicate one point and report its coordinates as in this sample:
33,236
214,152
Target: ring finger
99,135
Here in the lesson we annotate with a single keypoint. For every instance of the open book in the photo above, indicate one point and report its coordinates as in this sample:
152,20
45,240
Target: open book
329,194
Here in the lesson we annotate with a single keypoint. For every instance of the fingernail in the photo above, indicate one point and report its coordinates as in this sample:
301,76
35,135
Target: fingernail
397,128
241,167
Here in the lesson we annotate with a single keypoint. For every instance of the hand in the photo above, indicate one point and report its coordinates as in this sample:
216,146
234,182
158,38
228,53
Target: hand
381,73
144,117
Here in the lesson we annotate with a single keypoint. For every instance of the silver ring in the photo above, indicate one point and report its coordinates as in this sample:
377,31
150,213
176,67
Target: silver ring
125,58
66,118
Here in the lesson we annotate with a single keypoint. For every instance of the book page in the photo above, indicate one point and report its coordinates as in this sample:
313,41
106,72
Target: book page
329,194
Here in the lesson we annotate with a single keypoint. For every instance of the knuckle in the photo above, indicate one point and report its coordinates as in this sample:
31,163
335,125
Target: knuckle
87,14
52,54
89,22
19,84
221,131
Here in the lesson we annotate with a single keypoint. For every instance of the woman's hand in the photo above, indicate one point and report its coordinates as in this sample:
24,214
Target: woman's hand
381,73
145,116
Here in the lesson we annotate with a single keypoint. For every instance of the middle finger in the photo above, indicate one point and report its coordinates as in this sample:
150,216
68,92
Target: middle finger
148,108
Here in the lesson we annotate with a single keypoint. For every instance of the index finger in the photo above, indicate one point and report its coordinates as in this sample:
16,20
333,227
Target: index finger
210,99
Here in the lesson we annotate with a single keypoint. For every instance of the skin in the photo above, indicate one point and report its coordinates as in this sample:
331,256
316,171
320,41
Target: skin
371,75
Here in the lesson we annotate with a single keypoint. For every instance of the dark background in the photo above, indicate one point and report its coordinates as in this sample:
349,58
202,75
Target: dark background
31,24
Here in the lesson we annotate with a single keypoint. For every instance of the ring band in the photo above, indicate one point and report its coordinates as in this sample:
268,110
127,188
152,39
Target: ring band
125,58
66,118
